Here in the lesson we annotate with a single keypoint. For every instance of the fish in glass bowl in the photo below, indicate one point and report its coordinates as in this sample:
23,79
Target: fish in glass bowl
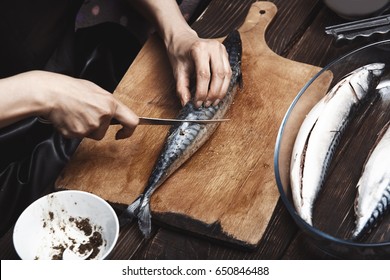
323,146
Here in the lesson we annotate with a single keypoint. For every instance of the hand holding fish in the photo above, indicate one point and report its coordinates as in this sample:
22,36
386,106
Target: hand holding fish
189,54
208,60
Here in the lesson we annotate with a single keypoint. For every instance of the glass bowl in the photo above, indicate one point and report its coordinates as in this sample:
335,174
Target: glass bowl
333,210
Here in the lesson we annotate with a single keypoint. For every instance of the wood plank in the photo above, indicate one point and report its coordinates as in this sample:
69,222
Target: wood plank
220,17
314,46
130,242
241,198
169,244
283,33
292,20
302,249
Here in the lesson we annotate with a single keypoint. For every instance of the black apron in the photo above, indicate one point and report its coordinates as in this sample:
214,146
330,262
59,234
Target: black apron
40,35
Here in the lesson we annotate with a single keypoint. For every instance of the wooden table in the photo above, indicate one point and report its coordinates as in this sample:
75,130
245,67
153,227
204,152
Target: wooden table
296,33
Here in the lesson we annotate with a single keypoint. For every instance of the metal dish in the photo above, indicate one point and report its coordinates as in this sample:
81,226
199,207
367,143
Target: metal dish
333,217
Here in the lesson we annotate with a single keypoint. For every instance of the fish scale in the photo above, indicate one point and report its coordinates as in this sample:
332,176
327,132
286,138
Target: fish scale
378,213
373,196
185,138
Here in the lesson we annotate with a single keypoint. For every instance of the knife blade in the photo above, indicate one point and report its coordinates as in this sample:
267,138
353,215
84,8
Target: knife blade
160,121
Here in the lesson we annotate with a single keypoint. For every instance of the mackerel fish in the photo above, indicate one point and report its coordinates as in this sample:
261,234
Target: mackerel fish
373,189
185,138
321,131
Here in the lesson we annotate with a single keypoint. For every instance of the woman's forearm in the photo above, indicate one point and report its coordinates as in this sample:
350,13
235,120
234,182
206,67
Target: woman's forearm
17,99
76,107
166,17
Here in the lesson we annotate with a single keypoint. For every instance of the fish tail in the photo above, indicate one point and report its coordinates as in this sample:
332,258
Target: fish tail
145,217
131,211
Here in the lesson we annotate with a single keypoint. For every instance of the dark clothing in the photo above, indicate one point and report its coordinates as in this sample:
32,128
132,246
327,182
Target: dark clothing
31,31
40,35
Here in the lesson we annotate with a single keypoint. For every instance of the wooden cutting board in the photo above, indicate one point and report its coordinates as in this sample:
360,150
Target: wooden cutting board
227,190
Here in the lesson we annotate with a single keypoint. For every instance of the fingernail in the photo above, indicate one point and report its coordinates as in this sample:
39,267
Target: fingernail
208,103
216,102
184,101
199,103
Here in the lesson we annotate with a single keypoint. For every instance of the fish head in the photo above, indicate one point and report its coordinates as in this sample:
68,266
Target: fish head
364,81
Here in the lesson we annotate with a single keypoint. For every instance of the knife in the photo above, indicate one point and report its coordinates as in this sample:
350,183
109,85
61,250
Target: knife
159,121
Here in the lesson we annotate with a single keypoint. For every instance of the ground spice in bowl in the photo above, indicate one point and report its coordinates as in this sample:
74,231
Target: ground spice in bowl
76,233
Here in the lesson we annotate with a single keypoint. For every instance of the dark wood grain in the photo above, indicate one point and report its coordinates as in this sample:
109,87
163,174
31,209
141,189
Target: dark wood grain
314,46
292,21
302,249
297,33
130,241
169,244
221,17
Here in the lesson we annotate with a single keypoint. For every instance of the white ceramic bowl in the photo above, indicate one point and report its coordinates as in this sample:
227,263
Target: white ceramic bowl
66,219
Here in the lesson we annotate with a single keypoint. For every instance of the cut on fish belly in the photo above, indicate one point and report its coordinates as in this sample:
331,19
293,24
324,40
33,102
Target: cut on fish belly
185,138
321,131
373,189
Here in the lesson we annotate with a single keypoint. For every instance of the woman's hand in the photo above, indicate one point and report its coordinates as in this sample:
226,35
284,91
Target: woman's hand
191,57
76,107
205,60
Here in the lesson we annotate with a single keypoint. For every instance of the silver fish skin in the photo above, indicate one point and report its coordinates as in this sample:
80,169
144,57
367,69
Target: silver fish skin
321,131
184,139
373,189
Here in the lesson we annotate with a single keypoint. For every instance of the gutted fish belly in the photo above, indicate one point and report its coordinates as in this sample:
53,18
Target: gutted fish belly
185,138
320,133
373,188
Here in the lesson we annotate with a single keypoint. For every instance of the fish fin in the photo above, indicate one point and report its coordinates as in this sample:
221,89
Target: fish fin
240,81
130,212
145,218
